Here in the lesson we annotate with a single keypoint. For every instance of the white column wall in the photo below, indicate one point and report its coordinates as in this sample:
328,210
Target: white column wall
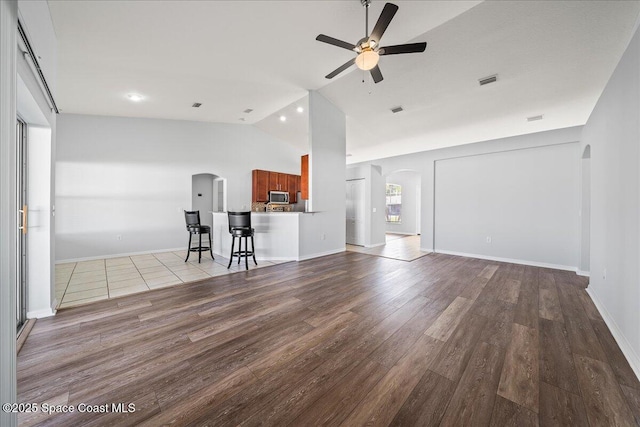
613,133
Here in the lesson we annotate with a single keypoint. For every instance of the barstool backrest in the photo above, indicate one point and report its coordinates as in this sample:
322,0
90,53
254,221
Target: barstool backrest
239,220
192,218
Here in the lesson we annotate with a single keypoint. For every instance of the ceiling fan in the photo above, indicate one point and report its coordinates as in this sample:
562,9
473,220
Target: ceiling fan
368,48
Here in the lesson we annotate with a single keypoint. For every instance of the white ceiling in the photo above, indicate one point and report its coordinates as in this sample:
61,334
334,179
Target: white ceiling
552,58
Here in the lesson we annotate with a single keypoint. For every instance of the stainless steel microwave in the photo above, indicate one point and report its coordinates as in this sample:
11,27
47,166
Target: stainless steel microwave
279,197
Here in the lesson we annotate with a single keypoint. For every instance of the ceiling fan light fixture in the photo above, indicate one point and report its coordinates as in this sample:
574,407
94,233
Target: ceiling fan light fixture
367,60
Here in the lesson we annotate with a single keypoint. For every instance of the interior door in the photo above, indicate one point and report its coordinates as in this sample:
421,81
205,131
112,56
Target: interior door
21,282
355,212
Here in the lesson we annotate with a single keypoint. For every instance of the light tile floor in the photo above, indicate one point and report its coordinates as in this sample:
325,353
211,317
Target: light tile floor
398,246
82,282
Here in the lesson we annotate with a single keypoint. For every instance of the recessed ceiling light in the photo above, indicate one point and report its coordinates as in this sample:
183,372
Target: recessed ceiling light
300,110
397,109
196,104
242,119
248,110
135,97
283,119
349,154
535,118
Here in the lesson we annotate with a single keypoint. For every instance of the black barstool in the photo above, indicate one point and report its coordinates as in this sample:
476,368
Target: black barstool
192,219
240,226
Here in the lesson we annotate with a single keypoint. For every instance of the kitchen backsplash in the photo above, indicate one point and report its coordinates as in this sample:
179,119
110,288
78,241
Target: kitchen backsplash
262,207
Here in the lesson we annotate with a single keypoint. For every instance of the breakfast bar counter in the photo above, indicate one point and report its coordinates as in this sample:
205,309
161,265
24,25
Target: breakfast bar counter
276,235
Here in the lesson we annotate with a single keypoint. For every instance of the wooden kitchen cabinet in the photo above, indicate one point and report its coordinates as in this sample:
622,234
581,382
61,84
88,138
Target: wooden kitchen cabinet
304,180
292,188
260,191
265,181
277,181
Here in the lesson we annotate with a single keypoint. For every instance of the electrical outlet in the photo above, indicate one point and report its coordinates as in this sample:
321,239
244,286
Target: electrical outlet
119,237
375,210
488,239
604,274
323,236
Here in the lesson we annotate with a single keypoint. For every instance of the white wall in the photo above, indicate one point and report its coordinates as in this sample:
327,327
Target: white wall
131,177
613,132
526,202
424,164
585,214
323,232
410,182
378,201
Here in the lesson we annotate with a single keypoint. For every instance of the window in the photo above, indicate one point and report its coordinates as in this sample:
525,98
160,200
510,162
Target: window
394,203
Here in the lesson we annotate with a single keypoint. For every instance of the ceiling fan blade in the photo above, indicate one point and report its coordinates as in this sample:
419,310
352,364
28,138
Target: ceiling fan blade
403,48
376,74
383,22
335,42
341,68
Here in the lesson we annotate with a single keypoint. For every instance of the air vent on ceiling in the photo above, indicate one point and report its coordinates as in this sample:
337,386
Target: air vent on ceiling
486,80
535,118
196,105
248,110
397,109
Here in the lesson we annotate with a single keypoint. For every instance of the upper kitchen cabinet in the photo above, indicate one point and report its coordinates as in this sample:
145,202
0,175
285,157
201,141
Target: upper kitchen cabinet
292,187
277,181
260,186
265,181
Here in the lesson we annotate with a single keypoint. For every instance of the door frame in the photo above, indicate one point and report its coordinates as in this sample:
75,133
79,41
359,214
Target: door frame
363,225
22,186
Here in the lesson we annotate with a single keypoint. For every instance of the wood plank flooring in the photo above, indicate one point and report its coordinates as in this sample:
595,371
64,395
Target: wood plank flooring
349,339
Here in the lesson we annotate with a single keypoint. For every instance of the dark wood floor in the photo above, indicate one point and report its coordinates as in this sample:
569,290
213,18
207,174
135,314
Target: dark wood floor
349,339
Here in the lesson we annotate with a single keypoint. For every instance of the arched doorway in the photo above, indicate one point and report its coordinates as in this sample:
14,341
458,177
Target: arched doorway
208,194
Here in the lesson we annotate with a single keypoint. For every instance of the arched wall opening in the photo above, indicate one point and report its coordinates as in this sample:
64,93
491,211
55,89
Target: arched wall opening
208,194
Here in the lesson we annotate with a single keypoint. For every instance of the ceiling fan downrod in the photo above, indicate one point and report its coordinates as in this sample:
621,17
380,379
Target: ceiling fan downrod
366,4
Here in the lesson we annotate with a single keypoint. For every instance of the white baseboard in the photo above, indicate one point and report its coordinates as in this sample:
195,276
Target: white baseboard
509,260
47,312
583,273
93,258
375,245
320,254
404,233
429,250
623,343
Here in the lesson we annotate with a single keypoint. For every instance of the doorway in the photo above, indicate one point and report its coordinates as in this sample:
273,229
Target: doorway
355,212
22,185
403,202
208,194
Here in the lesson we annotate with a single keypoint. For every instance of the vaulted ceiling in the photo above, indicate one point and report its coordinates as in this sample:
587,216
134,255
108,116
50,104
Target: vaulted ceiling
552,59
